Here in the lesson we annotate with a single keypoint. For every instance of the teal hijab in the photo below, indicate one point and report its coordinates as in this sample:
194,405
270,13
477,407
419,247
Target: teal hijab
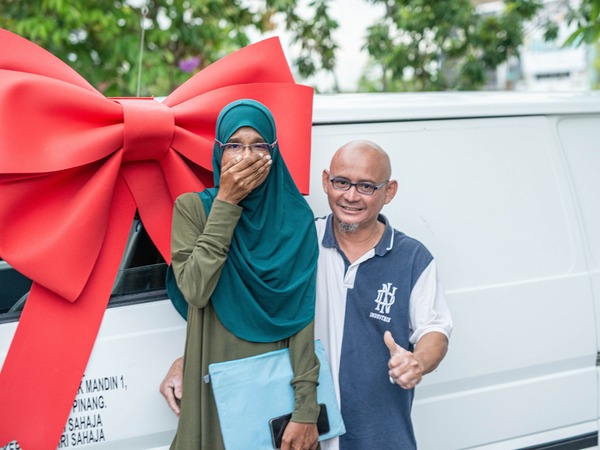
266,291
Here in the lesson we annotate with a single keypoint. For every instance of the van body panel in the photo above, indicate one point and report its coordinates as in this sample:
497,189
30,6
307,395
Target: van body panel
503,190
506,411
150,332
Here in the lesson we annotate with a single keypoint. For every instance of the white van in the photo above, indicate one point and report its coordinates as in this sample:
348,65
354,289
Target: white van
504,189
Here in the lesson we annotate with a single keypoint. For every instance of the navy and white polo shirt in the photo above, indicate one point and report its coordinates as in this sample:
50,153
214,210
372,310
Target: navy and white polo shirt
392,287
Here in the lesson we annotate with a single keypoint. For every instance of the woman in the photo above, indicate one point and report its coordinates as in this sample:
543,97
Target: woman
244,257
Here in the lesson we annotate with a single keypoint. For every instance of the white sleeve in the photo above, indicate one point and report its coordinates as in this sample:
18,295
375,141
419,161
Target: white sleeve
428,307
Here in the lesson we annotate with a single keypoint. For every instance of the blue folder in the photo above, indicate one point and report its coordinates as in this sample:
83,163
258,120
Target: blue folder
249,392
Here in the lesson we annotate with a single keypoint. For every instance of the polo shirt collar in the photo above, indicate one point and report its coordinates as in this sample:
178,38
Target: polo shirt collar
384,245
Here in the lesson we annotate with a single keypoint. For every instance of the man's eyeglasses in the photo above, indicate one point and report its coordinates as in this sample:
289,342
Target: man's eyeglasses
362,187
236,147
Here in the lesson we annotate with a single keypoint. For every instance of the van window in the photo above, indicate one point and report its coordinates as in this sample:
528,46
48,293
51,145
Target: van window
142,271
13,286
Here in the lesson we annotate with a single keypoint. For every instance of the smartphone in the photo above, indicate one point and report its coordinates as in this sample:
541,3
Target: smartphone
278,425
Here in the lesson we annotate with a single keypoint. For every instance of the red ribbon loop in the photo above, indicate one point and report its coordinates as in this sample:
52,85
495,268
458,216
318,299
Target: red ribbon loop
149,129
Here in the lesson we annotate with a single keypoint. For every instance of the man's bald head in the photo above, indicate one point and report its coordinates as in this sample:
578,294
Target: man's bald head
366,149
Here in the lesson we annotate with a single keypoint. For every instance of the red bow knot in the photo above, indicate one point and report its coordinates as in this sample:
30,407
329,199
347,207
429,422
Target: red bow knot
74,168
149,127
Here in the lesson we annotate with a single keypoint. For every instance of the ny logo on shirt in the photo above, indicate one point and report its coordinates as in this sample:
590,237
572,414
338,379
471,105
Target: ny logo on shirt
385,298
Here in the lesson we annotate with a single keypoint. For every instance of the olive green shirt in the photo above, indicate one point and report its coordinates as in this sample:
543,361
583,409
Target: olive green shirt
199,248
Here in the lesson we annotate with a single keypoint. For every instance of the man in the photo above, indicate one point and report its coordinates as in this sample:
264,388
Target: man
375,285
377,297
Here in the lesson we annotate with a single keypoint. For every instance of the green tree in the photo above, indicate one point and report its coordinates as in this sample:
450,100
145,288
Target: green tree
101,39
438,45
586,16
317,47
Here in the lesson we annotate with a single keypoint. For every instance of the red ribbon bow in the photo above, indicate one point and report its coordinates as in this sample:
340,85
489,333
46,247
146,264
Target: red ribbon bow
74,167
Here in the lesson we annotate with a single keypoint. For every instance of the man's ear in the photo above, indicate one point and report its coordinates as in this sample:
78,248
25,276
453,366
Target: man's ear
390,190
325,180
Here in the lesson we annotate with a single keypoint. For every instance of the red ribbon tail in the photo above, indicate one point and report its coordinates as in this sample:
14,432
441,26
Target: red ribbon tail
38,385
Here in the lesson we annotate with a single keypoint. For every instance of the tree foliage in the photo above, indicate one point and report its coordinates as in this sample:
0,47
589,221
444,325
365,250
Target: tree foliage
435,45
101,39
415,45
586,17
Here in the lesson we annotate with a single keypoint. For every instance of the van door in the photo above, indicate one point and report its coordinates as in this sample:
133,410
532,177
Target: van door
578,137
491,199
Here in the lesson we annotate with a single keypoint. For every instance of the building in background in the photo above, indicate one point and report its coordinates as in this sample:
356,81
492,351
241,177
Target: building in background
544,65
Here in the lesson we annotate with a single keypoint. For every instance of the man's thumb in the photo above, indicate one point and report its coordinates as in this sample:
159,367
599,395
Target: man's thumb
390,343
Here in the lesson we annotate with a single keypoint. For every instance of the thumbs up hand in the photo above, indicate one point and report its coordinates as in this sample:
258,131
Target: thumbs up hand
405,369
